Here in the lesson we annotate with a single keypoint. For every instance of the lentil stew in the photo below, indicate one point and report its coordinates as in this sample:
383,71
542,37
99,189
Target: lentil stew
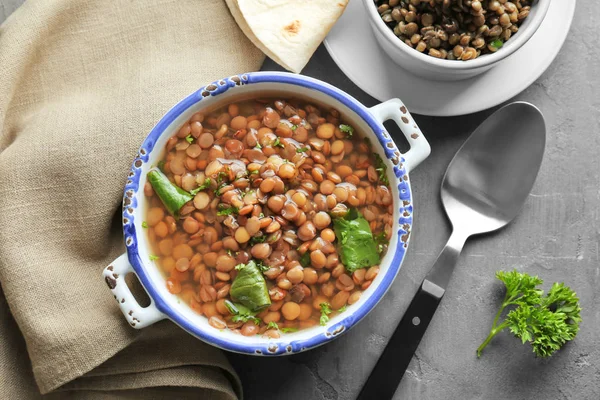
268,215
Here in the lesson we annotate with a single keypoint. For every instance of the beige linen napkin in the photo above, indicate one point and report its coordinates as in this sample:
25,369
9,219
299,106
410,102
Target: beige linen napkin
81,84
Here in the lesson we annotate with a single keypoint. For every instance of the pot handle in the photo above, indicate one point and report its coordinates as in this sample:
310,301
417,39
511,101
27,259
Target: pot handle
396,110
139,317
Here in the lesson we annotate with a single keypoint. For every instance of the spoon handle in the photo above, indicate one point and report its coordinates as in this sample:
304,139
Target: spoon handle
390,368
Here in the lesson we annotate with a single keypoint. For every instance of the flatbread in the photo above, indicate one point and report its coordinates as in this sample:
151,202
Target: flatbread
288,31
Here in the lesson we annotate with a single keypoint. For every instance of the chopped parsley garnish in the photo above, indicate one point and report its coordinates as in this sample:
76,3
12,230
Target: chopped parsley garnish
343,308
205,185
277,143
258,146
261,266
153,257
221,177
144,225
381,168
347,129
289,330
189,139
227,211
257,239
325,311
273,325
261,215
241,313
255,172
294,127
302,150
381,241
305,259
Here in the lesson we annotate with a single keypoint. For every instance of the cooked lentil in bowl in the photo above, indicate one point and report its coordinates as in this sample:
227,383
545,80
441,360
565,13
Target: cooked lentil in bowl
268,215
454,29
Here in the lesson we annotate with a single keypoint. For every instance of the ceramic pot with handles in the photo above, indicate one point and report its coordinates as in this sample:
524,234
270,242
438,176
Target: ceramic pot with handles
164,305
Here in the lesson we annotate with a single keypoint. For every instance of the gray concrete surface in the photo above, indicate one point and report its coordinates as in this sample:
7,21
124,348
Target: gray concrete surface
556,236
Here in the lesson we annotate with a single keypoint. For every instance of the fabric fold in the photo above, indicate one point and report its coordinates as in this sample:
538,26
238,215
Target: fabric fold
82,82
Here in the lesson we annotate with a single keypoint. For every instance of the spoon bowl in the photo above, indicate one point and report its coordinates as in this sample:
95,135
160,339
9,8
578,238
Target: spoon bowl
490,177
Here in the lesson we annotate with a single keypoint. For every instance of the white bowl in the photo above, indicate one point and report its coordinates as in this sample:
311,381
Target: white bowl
429,67
258,84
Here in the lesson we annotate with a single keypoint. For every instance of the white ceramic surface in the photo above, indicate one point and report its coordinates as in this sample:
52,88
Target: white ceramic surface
353,47
446,70
137,259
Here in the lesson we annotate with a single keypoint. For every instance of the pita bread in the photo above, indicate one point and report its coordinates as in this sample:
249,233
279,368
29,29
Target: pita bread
288,31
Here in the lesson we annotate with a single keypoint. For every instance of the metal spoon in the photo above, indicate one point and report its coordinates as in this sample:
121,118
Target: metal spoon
484,188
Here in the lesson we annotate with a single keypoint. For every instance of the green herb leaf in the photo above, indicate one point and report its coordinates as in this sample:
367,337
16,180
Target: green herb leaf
356,245
205,185
497,43
153,257
189,139
255,172
261,215
273,325
325,311
144,225
171,195
249,287
294,127
258,146
289,330
381,168
343,308
302,149
546,322
227,210
277,143
347,129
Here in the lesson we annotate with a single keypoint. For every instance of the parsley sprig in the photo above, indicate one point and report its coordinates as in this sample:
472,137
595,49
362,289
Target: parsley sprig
546,322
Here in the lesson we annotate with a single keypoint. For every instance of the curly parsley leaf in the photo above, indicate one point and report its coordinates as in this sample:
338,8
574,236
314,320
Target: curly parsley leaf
289,330
189,139
153,257
144,225
302,150
272,325
546,322
325,311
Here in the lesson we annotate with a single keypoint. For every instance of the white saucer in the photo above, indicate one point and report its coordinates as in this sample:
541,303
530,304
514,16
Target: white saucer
354,49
